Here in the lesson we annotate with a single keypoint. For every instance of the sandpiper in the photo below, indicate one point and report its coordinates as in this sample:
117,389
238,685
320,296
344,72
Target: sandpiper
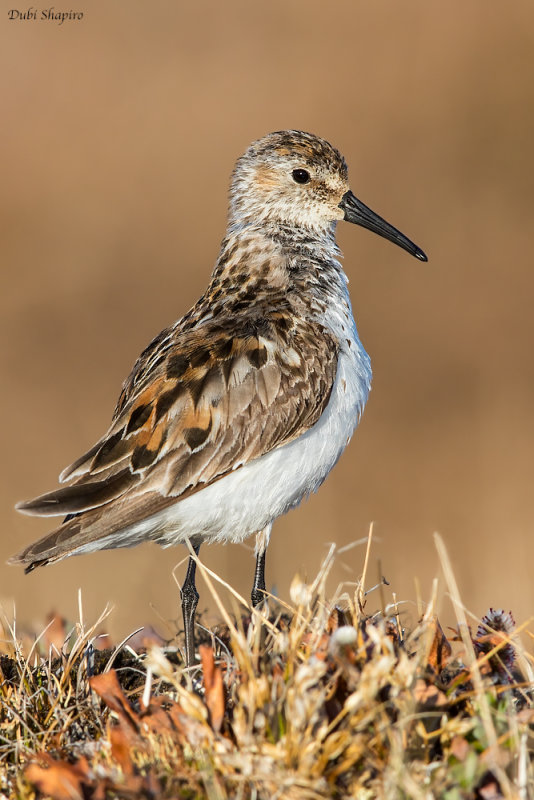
240,409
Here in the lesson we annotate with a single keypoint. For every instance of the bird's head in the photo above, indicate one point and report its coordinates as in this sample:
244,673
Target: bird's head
295,179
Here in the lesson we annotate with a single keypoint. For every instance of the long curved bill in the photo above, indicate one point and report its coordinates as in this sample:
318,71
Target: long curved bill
360,214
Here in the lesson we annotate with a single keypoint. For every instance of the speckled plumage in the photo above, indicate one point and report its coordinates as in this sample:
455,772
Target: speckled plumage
242,407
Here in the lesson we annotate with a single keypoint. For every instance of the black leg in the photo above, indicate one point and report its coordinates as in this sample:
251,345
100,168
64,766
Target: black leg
189,597
258,590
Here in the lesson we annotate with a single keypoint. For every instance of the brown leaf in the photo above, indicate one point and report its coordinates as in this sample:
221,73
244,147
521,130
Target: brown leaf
120,749
60,780
177,716
130,783
336,619
156,716
107,687
213,685
440,651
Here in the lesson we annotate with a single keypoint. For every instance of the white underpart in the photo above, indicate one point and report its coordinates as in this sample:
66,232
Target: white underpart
249,499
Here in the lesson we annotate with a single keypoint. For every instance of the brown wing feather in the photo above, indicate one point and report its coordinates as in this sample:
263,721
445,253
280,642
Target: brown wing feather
213,403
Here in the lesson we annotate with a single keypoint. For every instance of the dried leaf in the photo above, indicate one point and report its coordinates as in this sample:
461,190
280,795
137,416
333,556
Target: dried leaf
336,619
213,685
440,651
120,749
60,780
321,647
156,717
108,688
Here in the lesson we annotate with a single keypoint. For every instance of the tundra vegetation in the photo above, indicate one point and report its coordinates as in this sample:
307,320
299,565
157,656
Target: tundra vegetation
325,697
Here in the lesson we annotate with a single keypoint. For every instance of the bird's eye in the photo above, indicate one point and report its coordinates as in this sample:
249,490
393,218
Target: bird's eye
301,175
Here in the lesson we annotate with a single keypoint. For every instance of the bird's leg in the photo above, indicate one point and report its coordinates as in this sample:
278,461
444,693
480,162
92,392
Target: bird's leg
189,597
258,589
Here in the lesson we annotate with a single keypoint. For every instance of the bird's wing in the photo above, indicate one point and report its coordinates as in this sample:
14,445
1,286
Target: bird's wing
195,408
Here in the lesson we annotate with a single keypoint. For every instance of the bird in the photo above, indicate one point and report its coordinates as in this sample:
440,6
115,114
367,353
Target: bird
240,409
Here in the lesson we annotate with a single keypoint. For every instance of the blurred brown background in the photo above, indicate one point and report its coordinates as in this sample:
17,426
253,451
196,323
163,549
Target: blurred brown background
118,137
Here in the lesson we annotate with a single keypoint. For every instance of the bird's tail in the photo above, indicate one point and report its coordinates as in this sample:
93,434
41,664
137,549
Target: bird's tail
54,546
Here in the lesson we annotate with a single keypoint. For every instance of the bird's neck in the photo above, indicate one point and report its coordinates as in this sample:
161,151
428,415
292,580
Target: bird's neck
277,256
264,271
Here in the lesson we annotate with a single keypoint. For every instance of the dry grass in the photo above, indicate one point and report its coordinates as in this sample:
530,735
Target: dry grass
323,699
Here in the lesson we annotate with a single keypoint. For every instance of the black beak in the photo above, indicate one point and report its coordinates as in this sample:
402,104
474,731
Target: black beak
357,212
